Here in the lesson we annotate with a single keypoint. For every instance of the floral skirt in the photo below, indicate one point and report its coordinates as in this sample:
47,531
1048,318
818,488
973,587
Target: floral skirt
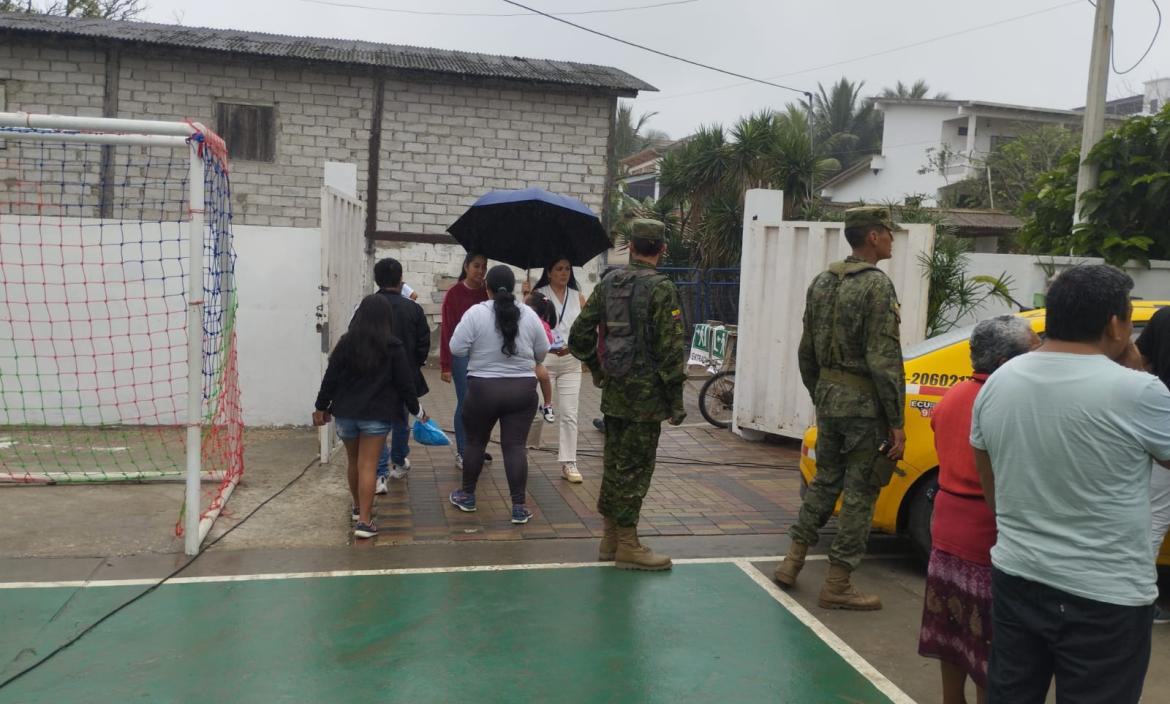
956,614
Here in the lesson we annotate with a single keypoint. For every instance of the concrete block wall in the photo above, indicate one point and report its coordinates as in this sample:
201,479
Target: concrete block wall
320,116
444,145
50,79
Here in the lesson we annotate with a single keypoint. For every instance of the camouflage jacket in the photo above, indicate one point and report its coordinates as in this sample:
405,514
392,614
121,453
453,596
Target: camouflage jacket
850,353
653,390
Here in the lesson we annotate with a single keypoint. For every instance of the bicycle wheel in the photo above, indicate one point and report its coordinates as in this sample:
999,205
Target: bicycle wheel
716,399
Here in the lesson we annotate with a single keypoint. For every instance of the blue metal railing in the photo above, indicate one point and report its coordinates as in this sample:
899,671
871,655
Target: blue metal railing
706,294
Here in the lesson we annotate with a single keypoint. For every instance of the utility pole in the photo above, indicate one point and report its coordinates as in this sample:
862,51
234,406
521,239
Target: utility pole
1094,124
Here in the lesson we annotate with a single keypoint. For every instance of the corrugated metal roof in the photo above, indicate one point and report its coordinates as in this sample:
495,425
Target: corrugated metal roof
345,51
967,219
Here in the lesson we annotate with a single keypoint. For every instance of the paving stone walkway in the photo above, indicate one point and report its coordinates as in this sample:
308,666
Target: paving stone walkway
707,482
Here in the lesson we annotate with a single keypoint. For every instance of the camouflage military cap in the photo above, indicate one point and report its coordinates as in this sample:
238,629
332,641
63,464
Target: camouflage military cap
647,229
871,216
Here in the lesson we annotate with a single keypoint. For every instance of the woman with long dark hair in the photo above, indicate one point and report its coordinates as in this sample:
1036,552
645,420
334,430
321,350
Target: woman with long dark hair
464,294
368,385
558,284
502,342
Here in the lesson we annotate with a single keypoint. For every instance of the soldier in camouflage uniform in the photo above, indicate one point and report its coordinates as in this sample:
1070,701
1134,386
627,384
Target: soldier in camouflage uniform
638,395
851,363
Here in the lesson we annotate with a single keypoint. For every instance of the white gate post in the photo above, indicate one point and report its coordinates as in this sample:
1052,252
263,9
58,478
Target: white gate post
760,207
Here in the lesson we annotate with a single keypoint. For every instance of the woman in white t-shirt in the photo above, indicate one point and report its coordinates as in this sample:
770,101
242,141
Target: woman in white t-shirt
503,342
558,284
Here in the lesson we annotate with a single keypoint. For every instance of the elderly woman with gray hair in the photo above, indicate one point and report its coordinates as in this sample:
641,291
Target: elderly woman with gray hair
956,615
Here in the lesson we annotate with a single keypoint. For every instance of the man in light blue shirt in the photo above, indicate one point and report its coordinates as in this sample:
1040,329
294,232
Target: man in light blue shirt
1063,440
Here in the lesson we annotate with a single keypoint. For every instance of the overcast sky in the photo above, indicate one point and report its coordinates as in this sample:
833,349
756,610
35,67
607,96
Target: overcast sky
1041,60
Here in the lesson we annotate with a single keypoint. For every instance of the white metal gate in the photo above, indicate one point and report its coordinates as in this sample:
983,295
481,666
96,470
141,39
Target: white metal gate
779,261
346,269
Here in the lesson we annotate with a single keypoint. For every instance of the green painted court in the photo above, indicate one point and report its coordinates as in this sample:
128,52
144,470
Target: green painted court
709,631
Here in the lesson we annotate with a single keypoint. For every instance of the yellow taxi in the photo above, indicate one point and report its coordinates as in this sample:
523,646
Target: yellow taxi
933,366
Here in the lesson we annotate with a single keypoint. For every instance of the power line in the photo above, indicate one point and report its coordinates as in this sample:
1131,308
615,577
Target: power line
1113,45
883,52
356,6
663,53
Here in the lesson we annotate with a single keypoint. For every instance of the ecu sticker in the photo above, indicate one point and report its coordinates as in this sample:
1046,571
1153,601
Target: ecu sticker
925,408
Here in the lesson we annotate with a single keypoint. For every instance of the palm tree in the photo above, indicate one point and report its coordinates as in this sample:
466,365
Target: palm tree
847,126
628,137
917,91
706,178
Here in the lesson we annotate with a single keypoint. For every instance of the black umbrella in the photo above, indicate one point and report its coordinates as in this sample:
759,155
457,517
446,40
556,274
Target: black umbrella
530,229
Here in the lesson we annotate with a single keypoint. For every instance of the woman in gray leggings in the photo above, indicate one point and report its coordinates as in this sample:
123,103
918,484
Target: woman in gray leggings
504,342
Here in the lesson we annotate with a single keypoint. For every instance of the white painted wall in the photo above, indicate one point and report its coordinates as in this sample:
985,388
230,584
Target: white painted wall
92,322
908,132
97,334
1030,278
278,270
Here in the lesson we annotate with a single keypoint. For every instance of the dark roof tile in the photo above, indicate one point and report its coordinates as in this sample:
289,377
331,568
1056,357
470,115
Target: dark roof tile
346,51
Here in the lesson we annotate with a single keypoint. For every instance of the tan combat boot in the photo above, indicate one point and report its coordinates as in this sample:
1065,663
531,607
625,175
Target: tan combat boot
633,555
608,547
838,593
787,571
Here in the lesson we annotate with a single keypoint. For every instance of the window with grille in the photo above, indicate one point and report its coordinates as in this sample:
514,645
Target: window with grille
248,130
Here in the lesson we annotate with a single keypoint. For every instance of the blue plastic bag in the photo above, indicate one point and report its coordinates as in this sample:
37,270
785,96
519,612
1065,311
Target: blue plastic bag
430,433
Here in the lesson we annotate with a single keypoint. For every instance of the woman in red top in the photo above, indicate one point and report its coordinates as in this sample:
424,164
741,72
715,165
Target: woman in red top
956,615
466,292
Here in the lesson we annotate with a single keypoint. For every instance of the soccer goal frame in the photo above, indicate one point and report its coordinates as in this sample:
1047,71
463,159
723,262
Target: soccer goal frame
194,138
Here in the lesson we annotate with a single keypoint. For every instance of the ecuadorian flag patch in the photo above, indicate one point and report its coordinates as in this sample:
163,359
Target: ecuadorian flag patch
676,314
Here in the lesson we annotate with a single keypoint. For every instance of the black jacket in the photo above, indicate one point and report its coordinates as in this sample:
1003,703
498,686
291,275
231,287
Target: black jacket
379,395
410,326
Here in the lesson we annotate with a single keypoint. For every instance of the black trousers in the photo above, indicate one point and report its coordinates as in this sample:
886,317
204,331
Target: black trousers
1097,652
512,403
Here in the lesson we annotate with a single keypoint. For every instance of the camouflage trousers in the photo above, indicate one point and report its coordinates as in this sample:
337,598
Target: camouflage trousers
846,451
630,448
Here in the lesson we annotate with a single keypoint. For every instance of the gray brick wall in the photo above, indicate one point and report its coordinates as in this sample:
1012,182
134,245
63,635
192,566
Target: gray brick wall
444,145
319,117
50,79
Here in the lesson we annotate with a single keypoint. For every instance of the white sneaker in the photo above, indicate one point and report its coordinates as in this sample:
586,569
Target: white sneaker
547,412
569,472
458,461
382,486
399,471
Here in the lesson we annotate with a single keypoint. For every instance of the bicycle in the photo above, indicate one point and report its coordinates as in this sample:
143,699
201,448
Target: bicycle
715,350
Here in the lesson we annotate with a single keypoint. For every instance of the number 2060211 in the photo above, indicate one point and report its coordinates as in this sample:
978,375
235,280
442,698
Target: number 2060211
934,379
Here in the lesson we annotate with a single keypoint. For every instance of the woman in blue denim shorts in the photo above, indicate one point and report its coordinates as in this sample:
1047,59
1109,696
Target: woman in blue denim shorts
366,385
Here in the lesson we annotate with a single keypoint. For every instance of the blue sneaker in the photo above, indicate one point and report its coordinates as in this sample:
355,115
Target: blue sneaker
463,500
520,514
365,530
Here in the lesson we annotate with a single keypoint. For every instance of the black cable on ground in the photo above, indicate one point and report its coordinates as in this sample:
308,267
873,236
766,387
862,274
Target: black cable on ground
669,459
157,584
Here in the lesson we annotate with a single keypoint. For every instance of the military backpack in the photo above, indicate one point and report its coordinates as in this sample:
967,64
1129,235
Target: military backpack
623,333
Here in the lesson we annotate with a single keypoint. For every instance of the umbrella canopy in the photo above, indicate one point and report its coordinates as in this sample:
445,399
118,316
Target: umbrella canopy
530,229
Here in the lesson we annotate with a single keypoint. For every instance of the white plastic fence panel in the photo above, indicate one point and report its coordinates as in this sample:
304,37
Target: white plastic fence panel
779,261
346,271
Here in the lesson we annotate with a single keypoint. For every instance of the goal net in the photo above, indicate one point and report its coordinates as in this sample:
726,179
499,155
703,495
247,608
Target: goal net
117,309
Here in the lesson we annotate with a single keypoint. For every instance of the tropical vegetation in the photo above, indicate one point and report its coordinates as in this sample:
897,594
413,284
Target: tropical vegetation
1127,216
107,9
704,178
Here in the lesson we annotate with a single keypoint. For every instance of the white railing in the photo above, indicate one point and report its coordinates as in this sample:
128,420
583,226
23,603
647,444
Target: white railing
346,270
